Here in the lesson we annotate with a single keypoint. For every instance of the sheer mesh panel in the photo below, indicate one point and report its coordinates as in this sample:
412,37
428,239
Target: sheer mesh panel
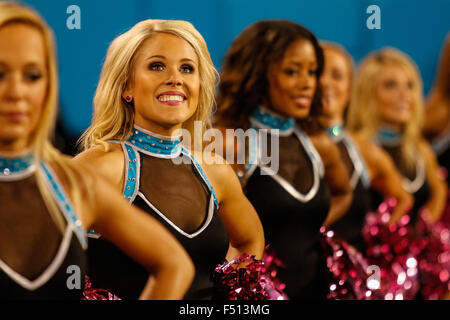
295,165
29,239
298,164
176,190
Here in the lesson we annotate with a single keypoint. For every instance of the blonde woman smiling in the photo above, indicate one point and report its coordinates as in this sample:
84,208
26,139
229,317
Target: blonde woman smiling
157,78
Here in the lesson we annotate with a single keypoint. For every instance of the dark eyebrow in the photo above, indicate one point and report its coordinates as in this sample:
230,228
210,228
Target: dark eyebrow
300,63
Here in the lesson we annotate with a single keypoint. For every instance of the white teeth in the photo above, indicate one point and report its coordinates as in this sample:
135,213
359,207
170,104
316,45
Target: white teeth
303,100
170,98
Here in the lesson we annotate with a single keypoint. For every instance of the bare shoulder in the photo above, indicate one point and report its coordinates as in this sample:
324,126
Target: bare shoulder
322,142
109,163
99,154
327,149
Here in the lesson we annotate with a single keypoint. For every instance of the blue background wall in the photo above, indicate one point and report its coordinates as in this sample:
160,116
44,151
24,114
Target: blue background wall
417,27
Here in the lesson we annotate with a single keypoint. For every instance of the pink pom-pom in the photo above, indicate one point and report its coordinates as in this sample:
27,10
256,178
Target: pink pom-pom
96,294
246,278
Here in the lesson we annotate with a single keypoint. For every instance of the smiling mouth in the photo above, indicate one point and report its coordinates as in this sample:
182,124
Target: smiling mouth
303,102
13,116
172,98
403,107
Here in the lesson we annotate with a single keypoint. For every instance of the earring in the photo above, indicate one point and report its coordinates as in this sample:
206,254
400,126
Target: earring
128,98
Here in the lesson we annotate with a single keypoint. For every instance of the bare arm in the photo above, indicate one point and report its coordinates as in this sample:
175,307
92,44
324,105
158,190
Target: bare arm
136,233
436,203
437,116
240,218
336,177
385,178
145,240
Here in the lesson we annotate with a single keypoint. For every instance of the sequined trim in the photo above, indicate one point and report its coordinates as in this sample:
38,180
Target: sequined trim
388,137
155,145
13,169
267,119
64,203
132,167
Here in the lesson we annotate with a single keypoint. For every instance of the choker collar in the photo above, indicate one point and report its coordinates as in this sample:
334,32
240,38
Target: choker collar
389,137
268,119
16,166
155,144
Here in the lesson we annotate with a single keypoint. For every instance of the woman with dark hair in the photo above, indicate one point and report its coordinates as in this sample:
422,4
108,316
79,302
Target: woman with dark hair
270,80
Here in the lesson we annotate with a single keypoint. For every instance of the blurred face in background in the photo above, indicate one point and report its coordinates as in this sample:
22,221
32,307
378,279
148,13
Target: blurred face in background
293,81
166,82
394,95
336,86
23,83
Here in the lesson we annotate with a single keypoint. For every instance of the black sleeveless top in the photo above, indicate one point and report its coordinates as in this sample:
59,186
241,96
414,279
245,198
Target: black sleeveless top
173,188
292,203
36,260
349,227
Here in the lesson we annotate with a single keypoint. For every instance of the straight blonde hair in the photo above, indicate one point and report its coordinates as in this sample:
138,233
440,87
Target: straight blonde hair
363,116
40,140
113,117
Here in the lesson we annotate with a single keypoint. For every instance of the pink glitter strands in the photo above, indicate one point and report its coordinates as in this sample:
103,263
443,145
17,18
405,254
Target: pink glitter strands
97,294
394,249
246,278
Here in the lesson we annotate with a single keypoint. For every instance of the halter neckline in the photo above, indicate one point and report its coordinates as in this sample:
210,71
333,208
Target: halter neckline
14,166
268,119
156,144
388,136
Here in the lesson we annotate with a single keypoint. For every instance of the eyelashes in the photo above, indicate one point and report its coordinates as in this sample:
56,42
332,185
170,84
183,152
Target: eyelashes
32,76
159,66
390,84
156,66
291,72
186,68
